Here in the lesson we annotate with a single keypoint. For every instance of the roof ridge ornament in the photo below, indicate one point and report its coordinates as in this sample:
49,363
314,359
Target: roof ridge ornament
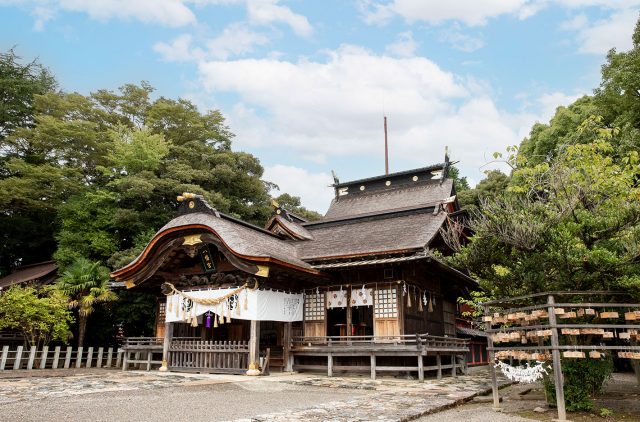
191,202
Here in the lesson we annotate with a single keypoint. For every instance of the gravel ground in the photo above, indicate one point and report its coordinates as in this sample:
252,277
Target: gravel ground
218,402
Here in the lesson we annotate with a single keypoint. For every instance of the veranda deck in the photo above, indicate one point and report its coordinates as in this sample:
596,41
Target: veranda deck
419,346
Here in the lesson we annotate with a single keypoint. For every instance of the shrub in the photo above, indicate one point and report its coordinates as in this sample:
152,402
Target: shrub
583,379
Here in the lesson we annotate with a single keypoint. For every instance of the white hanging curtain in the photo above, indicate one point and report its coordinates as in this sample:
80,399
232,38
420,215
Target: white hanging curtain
361,297
337,299
261,305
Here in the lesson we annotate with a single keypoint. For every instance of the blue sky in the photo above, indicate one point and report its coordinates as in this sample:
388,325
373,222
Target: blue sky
304,84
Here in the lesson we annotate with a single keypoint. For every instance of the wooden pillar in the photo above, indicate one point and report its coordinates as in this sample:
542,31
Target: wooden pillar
168,334
454,371
349,313
373,366
254,349
329,365
439,364
557,366
492,369
420,368
287,358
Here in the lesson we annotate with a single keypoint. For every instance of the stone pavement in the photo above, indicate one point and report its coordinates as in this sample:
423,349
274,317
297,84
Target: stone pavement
396,401
317,398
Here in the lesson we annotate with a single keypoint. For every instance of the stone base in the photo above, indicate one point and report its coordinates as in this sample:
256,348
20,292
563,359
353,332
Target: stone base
164,367
253,372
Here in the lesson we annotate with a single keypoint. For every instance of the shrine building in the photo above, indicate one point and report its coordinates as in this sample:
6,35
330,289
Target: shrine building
361,289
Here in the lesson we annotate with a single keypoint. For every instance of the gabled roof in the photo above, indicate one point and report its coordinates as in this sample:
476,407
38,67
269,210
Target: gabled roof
379,235
404,196
33,272
287,229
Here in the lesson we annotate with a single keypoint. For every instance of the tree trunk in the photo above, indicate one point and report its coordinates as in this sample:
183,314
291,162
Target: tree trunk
82,326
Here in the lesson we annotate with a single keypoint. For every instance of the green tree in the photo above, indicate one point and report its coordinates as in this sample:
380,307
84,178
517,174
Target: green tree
86,284
26,232
41,316
493,185
292,204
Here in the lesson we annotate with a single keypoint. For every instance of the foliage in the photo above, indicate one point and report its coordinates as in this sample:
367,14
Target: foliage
85,283
567,225
41,316
474,303
583,379
292,204
26,230
491,186
461,183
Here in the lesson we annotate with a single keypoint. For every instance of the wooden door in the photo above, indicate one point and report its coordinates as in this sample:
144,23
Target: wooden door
386,314
315,315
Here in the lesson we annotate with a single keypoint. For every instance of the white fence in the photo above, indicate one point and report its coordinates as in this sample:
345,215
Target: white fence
59,358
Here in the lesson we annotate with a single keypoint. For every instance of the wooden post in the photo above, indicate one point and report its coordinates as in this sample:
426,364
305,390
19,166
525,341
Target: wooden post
32,357
56,358
254,349
439,364
118,357
67,357
43,359
420,368
557,365
286,347
454,371
492,369
349,314
89,356
5,354
18,360
99,358
79,357
109,357
373,366
329,365
125,355
168,334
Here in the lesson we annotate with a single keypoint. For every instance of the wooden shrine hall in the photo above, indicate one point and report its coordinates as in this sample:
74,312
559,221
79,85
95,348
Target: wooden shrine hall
358,290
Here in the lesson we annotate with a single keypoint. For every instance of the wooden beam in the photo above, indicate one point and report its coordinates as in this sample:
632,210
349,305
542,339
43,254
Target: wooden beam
557,366
168,334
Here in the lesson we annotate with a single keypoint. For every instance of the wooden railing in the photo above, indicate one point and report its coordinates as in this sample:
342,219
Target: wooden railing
209,356
58,357
418,341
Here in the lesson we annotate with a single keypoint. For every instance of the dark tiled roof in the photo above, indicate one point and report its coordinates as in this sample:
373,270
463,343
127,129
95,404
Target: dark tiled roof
471,332
420,194
293,230
29,273
242,239
371,236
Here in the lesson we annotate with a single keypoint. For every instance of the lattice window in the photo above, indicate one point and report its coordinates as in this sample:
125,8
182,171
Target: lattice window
386,303
314,307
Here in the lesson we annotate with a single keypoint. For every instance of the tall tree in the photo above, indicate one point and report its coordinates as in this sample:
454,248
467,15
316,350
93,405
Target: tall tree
26,233
85,283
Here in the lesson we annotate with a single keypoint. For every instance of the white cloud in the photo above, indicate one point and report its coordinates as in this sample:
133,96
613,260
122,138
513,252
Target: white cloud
179,49
312,188
472,13
600,36
457,39
404,46
236,39
265,12
173,13
328,109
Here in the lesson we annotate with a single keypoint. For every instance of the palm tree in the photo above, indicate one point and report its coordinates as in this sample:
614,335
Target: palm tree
85,283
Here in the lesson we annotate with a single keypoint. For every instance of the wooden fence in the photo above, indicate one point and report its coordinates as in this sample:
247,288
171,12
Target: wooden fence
58,357
230,357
